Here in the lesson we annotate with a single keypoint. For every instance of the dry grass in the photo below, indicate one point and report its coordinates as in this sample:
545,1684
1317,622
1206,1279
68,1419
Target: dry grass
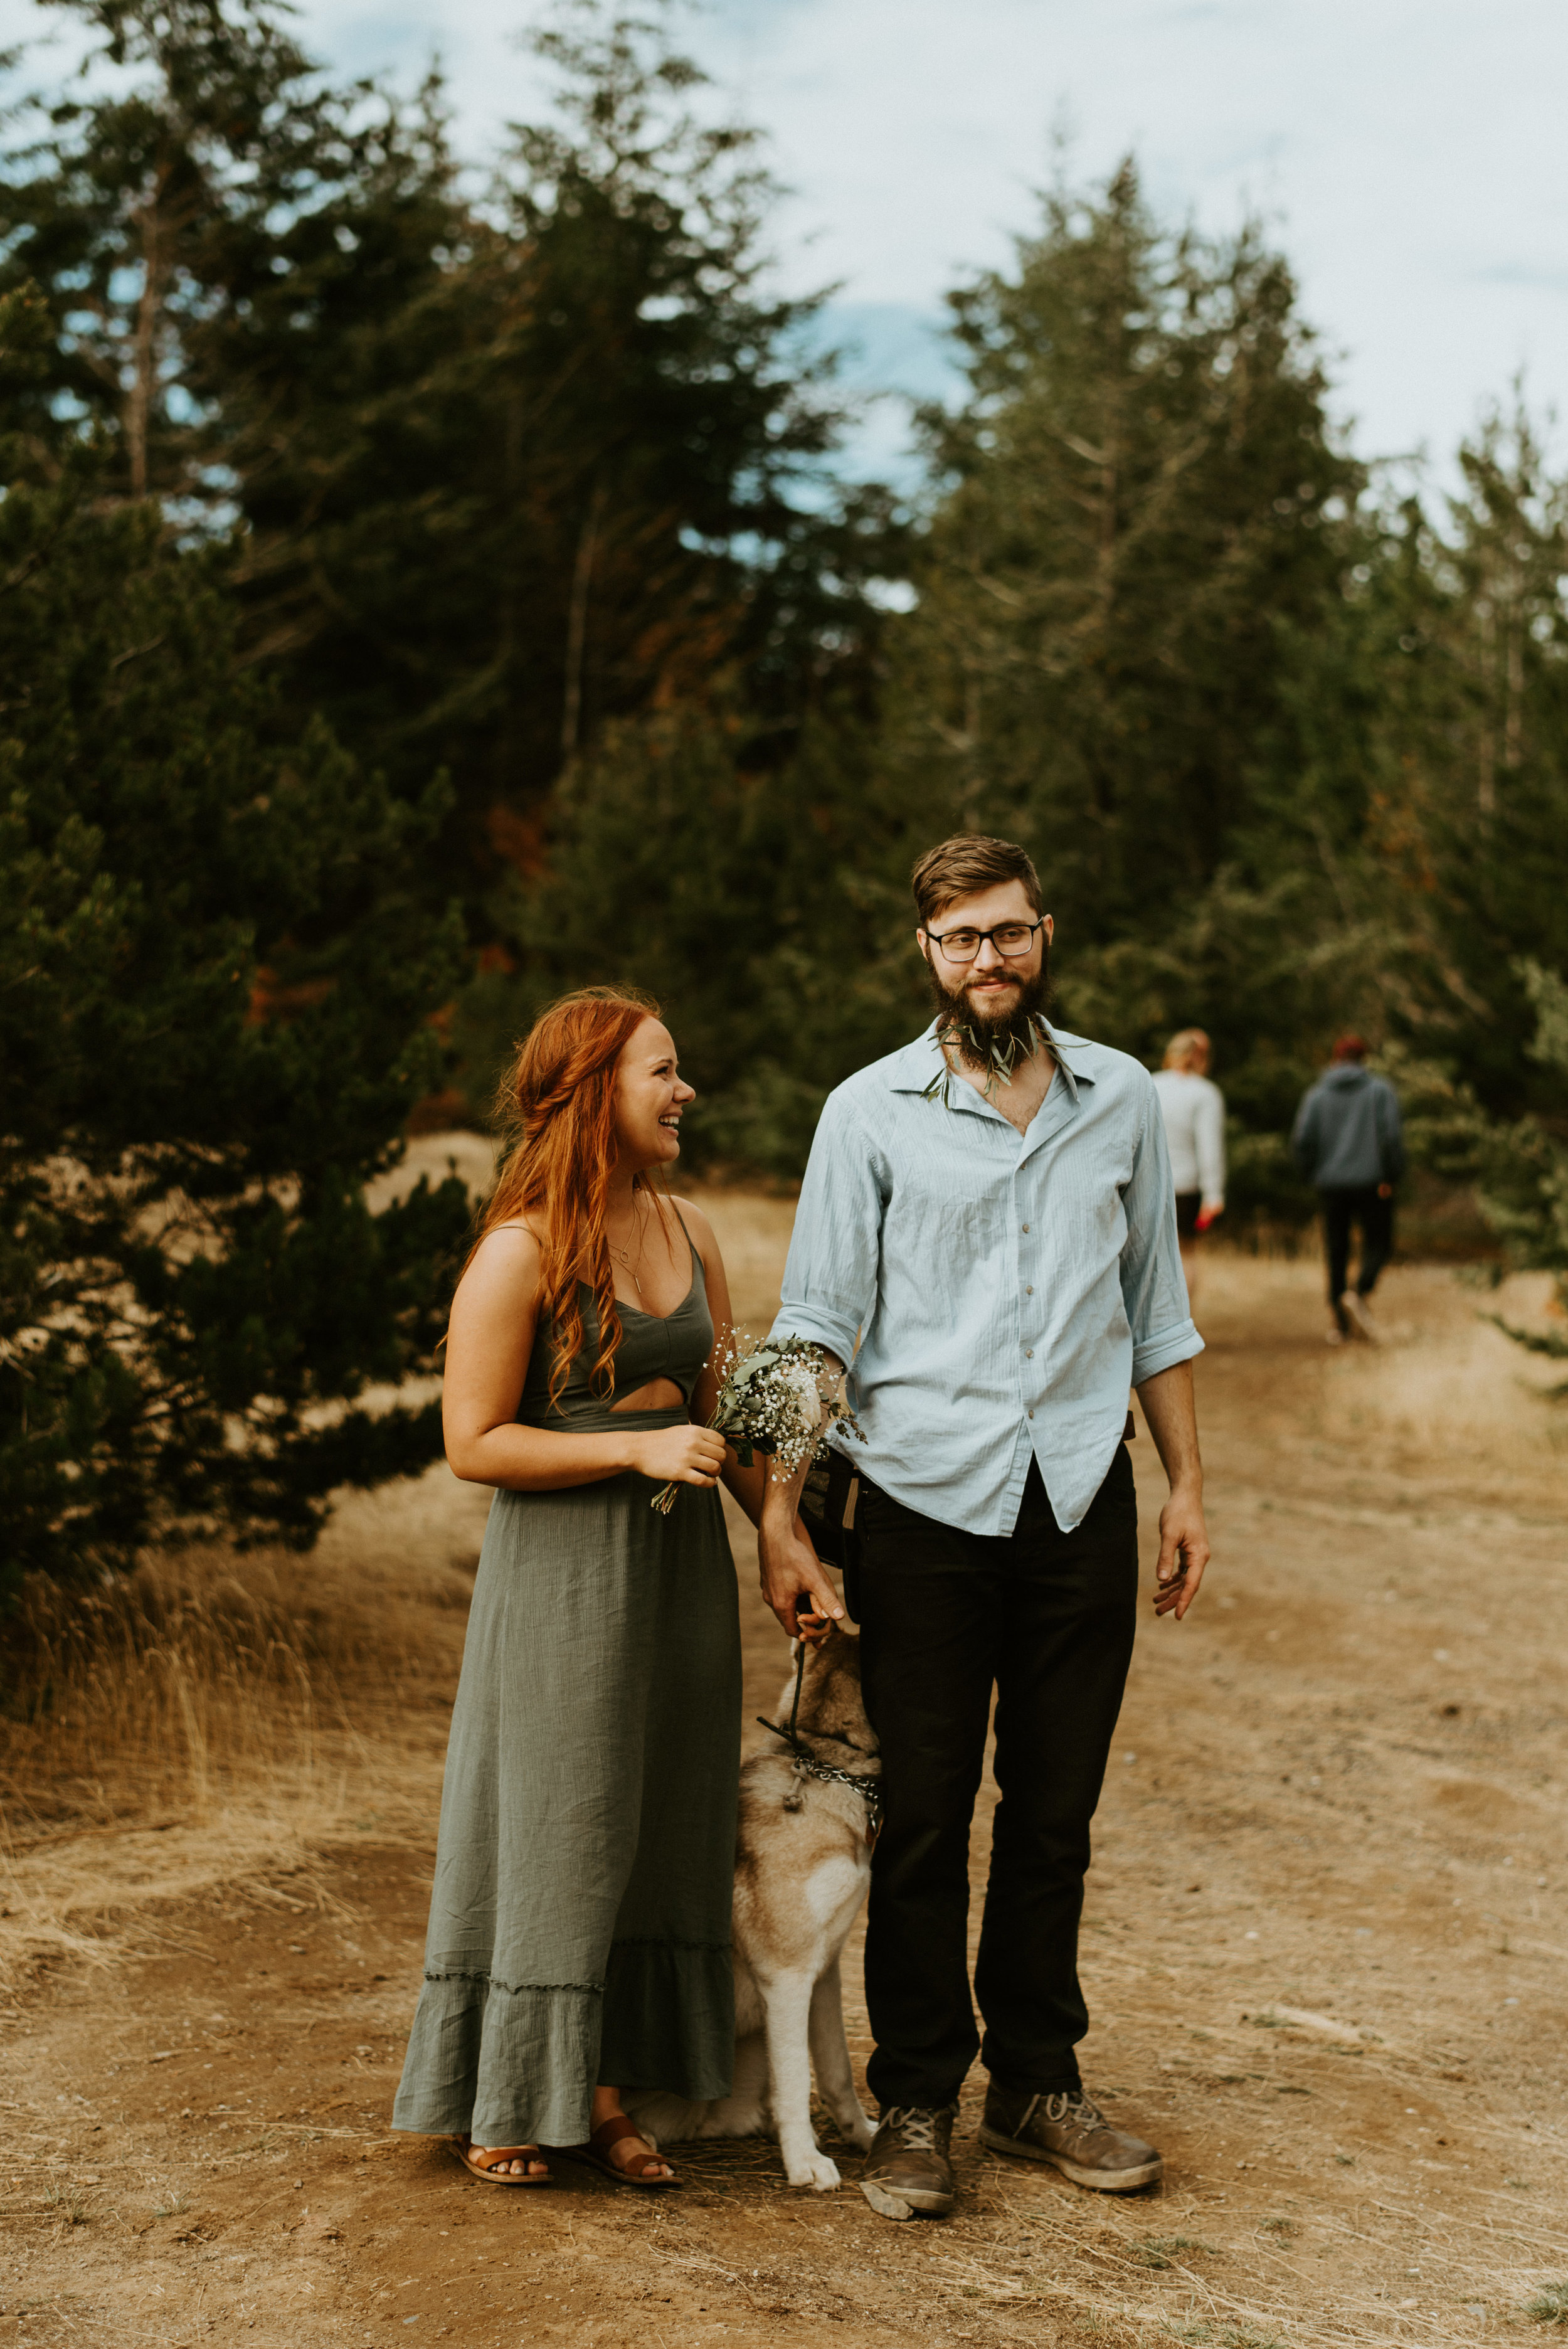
219,1709
167,1693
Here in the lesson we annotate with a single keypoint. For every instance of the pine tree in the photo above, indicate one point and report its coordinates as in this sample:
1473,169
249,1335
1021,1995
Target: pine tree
204,184
215,999
742,896
558,489
1140,490
1487,792
507,470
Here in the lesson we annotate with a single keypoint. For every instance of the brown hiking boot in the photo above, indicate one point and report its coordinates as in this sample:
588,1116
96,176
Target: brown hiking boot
1071,2132
909,2169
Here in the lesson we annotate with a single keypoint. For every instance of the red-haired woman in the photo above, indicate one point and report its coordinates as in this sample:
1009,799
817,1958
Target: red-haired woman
580,1920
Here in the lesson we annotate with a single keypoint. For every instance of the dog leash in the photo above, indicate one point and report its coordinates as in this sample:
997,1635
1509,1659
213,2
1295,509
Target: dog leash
867,1788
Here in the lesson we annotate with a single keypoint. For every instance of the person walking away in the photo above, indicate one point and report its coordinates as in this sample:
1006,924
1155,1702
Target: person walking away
1348,1140
580,1920
1194,1113
988,1233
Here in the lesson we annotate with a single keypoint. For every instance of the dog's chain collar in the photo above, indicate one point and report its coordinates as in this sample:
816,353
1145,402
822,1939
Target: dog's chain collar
809,1766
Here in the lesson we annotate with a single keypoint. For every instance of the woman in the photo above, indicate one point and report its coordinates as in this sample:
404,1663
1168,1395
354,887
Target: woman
1194,1113
580,1920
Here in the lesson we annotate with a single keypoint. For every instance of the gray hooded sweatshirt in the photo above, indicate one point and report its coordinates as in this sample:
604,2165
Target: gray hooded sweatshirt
1347,1131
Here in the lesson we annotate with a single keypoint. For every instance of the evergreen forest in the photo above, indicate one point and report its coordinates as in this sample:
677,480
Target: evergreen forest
432,581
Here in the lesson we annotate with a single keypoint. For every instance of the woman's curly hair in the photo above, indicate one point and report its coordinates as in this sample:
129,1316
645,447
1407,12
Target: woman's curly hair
557,1109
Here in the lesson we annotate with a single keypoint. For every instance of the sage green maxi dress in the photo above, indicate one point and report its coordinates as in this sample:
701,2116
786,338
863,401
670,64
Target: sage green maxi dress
580,1918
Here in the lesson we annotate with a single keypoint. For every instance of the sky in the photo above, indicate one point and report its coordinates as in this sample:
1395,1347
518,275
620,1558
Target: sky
1410,159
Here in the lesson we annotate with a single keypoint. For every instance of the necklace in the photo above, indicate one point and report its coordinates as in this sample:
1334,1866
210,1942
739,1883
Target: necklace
626,1254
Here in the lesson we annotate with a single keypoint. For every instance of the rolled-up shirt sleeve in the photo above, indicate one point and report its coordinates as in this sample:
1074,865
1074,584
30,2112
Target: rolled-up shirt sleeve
1154,1287
831,1274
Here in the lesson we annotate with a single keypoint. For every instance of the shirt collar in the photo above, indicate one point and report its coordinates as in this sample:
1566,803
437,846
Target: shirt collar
913,1070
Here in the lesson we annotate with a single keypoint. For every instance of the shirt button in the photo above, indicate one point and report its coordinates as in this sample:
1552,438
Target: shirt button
1026,1227
1028,1292
1028,1353
1031,1414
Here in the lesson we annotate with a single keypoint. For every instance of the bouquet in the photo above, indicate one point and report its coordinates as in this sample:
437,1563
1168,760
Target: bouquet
778,1399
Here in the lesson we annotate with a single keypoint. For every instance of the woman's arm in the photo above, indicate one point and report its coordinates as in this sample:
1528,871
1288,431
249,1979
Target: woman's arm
489,1342
746,1484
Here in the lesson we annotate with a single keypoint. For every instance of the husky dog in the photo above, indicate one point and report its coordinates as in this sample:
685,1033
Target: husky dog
803,1860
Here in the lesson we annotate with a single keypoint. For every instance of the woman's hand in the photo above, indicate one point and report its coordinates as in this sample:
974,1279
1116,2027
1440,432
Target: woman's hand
679,1456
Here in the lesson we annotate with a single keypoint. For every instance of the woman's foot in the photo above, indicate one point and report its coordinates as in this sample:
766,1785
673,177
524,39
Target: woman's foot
635,2155
631,2154
507,2161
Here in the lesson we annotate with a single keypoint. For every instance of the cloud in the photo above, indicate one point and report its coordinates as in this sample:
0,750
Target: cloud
1408,154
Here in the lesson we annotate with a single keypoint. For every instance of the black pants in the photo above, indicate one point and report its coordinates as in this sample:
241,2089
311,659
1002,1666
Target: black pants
1341,1209
1047,1618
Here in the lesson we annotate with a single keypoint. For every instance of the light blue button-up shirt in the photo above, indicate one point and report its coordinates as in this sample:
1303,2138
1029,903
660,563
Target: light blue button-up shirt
997,1295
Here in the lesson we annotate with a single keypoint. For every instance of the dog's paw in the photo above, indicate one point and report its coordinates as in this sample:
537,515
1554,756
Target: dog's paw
857,2127
814,2169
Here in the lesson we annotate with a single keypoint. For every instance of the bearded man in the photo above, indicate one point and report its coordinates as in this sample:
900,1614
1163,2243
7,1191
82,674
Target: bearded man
986,1234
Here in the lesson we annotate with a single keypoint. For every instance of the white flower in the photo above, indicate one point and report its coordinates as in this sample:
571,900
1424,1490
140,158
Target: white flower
802,1381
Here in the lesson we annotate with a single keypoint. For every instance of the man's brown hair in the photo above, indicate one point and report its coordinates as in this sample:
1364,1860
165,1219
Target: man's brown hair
964,866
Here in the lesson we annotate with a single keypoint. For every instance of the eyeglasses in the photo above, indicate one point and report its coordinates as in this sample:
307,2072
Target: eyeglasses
1010,939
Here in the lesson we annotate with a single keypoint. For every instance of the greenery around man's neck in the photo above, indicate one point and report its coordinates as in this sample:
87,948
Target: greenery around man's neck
984,1050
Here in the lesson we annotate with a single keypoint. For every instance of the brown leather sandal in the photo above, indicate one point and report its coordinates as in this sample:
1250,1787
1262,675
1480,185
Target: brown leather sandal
634,2173
487,2168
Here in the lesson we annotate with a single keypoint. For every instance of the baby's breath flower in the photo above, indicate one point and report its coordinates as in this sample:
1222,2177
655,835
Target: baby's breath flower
780,1399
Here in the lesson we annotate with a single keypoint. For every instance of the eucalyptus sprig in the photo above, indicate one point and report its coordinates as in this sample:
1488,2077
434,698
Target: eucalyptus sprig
998,1055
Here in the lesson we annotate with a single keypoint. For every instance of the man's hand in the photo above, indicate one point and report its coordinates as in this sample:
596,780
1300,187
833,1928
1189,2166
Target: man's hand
1183,1553
1169,1408
795,1583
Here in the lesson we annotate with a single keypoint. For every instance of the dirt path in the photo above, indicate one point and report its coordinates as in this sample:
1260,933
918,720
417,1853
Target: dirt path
1325,1948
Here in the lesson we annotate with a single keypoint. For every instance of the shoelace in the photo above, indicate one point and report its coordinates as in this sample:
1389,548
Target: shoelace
1075,2107
916,2126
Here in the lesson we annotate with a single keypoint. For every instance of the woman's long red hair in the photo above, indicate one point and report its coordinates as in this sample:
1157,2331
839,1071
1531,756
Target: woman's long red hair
557,1105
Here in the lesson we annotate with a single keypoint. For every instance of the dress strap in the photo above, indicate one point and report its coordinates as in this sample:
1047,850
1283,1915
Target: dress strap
696,1252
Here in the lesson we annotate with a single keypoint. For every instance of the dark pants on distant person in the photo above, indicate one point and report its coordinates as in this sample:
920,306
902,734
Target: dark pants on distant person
1047,1619
1342,1208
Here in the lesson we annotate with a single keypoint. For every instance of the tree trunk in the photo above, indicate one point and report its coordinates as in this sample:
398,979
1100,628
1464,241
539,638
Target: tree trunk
143,388
577,625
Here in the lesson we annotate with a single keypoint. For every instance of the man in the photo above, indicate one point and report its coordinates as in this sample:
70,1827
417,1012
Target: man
987,1231
1348,1140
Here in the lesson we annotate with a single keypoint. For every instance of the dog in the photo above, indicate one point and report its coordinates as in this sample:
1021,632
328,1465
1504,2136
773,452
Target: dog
803,1861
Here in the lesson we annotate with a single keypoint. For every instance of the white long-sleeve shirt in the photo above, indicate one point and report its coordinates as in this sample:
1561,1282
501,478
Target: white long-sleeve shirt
1194,1112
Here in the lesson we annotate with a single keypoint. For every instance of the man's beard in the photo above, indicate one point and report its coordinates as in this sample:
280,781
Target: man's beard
990,1046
